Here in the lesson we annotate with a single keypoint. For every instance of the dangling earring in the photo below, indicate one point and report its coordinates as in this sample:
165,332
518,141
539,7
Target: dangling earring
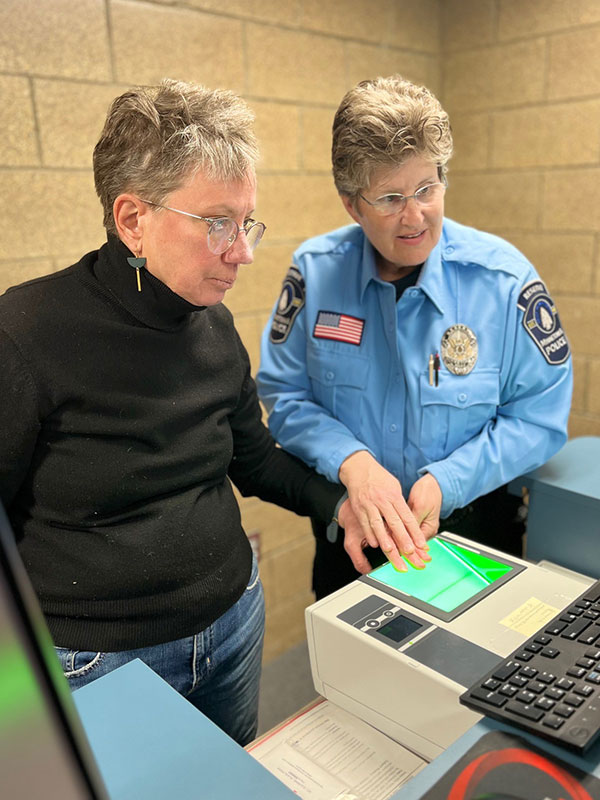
138,263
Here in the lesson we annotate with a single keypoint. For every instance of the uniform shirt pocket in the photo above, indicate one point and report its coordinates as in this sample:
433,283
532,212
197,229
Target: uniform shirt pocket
338,382
457,409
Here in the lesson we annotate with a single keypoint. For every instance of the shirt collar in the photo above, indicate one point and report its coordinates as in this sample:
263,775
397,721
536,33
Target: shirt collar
431,279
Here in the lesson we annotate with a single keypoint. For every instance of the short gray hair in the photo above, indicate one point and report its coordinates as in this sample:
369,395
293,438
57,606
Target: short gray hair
382,122
155,137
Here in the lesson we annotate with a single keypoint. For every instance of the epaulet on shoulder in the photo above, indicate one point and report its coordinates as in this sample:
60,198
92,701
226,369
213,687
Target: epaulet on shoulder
339,239
486,250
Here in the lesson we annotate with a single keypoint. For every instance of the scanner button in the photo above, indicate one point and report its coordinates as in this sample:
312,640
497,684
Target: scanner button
372,623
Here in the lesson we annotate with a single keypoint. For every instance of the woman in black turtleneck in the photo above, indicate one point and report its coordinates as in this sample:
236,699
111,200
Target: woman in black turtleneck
128,408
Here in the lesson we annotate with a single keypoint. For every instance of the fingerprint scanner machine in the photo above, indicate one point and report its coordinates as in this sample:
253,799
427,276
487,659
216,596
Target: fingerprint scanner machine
397,649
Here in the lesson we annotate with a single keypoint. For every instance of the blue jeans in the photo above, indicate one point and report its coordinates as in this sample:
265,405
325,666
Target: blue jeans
218,669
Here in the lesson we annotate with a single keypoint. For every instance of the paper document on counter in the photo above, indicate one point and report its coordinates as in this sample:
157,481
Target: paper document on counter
325,753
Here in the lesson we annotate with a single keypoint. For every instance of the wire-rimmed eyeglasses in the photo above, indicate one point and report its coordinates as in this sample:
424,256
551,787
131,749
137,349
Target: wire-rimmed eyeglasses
223,231
395,203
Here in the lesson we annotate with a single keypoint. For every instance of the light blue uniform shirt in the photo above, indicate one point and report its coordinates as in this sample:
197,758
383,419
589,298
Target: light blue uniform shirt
330,397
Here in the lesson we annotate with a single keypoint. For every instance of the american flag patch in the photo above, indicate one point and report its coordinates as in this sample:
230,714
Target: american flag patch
340,327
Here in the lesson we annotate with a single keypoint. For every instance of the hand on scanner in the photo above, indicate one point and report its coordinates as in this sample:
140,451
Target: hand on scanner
381,516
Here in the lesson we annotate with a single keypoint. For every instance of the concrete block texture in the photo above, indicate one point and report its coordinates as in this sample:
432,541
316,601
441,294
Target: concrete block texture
292,65
70,117
299,206
574,65
42,210
468,23
580,316
556,135
19,137
370,61
492,201
561,213
565,261
533,17
62,38
152,42
471,134
493,76
278,131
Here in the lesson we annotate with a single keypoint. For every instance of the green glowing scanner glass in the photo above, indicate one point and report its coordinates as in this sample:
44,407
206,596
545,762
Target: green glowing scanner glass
454,575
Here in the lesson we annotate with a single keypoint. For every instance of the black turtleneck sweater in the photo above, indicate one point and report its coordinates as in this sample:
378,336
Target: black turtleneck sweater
123,416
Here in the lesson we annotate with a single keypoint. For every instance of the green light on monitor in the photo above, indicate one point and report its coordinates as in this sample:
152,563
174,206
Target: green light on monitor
453,576
19,692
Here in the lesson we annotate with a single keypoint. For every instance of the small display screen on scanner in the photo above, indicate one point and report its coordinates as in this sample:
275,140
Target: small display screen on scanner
454,575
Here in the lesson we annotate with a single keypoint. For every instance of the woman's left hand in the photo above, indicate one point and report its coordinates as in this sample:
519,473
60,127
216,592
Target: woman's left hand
425,501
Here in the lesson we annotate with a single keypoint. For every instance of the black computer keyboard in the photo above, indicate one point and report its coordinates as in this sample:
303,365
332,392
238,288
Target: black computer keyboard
550,685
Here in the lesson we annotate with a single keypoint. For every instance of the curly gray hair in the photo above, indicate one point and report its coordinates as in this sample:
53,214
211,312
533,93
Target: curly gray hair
383,122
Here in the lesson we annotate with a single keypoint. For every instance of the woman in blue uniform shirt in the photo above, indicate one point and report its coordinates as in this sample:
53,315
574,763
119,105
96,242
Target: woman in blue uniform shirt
419,362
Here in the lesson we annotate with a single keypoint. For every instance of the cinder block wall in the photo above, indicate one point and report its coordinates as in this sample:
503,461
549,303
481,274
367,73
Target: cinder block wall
62,61
521,81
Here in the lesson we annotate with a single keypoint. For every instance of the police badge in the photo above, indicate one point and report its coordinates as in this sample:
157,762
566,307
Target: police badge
459,349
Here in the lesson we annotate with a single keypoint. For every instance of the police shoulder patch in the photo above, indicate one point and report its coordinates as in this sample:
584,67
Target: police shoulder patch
540,320
291,301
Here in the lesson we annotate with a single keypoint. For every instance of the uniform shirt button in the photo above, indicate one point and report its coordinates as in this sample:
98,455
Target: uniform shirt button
449,250
392,427
329,375
414,292
462,397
